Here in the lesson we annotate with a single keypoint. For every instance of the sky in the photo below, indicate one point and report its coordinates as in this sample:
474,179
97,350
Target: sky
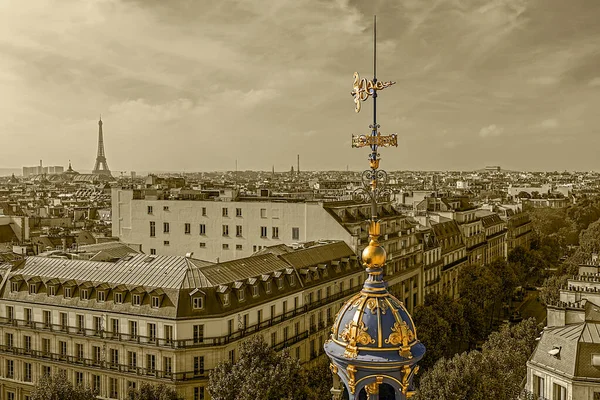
194,85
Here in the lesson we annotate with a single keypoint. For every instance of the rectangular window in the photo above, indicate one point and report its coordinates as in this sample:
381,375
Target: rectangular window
202,245
225,230
155,302
63,320
51,290
79,351
10,369
263,213
295,233
10,313
152,229
27,372
263,231
275,232
273,311
33,288
101,295
225,211
225,299
68,292
229,326
78,378
97,325
150,210
273,338
84,294
133,332
114,357
238,230
45,346
165,208
152,252
80,323
132,359
166,243
204,211
198,334
225,246
96,383
202,229
166,227
197,303
199,393
118,297
167,365
199,365
168,333
559,392
14,286
47,317
238,212
136,299
27,342
96,354
232,356
28,316
8,339
187,228
150,363
152,332
239,247
259,316
62,348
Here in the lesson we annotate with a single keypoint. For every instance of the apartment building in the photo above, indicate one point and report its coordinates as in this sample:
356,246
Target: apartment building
169,319
495,236
453,254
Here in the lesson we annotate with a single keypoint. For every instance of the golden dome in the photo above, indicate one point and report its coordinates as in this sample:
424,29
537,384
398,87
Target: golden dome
374,255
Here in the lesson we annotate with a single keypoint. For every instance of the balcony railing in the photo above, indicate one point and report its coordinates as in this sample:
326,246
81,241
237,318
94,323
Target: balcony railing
291,341
104,365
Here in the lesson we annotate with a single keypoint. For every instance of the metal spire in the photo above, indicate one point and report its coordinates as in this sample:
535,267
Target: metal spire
374,180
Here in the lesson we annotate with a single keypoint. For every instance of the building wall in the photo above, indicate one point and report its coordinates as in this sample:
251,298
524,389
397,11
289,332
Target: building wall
131,223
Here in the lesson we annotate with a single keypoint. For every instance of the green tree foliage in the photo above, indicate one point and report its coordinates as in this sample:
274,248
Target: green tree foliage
494,373
319,380
58,387
259,373
435,333
589,243
550,290
151,392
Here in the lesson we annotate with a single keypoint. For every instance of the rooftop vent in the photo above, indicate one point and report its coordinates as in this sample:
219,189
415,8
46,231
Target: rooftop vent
555,352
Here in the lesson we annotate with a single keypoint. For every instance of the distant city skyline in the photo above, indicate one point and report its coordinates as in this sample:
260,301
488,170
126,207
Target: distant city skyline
194,86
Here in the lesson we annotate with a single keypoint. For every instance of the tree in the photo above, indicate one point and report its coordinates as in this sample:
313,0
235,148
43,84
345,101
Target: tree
147,391
58,387
434,332
320,380
550,290
494,373
260,372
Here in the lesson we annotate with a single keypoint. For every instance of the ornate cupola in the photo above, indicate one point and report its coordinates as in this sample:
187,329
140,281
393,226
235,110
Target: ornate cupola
373,340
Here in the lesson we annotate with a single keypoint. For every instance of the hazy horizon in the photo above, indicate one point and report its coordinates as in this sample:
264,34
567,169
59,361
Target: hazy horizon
194,86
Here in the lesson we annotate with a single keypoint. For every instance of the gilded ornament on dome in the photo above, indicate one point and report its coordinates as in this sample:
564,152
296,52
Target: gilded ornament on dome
401,334
353,334
351,369
358,302
373,304
333,368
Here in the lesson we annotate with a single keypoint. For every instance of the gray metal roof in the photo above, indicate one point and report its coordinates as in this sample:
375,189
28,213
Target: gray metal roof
243,268
318,254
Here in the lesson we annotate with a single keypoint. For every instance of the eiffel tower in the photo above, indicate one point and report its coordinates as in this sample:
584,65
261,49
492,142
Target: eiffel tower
101,167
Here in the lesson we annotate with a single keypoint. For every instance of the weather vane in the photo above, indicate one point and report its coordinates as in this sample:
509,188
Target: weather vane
374,180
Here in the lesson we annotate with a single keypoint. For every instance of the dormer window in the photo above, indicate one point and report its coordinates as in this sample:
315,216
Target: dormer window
292,280
255,290
241,294
225,299
118,297
84,294
280,283
52,290
136,299
197,303
101,295
155,301
268,286
14,286
68,292
32,288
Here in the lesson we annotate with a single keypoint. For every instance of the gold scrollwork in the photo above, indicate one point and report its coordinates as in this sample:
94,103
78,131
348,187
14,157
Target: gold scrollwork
401,335
353,334
379,140
372,388
363,88
373,304
351,369
333,368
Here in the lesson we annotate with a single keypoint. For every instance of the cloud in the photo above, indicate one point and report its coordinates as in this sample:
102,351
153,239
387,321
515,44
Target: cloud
549,123
491,131
595,82
545,80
